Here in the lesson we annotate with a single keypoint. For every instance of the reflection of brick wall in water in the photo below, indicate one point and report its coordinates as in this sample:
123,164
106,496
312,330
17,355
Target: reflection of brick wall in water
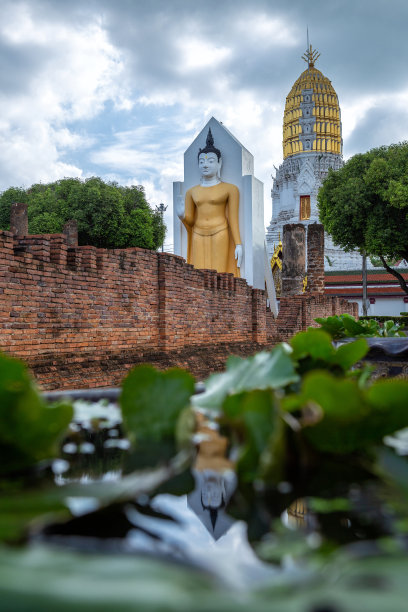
82,316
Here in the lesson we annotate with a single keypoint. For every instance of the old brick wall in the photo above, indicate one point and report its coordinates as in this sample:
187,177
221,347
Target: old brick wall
315,258
200,306
62,304
298,312
82,316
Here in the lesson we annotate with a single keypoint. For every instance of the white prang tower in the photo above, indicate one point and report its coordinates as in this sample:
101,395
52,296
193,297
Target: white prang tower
312,143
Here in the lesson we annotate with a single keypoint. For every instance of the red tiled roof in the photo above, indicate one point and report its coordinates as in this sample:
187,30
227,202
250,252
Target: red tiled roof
371,291
349,283
348,278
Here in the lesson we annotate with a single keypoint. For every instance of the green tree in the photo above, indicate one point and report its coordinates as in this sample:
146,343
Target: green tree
159,228
108,215
13,194
364,205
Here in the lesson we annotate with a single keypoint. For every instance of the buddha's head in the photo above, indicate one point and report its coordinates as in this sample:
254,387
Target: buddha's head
209,159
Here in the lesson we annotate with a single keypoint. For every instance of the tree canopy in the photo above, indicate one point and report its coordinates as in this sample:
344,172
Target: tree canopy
108,214
364,205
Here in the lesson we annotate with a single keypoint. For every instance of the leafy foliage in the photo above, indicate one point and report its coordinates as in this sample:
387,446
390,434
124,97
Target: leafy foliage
349,418
306,388
152,404
304,428
30,429
314,350
20,508
364,205
262,371
345,326
108,214
400,320
255,425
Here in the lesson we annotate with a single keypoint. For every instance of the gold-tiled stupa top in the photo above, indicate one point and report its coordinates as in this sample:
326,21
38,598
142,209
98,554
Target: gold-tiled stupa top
312,120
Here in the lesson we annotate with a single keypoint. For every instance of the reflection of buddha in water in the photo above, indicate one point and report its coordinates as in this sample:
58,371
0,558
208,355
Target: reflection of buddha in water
210,216
215,480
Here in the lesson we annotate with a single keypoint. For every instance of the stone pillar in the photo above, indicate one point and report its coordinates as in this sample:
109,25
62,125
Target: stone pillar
294,258
19,219
315,258
71,232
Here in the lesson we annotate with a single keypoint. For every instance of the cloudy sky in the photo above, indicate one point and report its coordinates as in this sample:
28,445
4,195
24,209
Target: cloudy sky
119,88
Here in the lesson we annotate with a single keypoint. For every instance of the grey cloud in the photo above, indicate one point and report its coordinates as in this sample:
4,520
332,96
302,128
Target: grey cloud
363,43
18,65
150,36
363,46
380,126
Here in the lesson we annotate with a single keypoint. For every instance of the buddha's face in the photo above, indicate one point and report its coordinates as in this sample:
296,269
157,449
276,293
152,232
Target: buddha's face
209,165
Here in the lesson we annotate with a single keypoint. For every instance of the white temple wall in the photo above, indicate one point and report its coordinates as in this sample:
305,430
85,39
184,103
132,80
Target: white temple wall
383,306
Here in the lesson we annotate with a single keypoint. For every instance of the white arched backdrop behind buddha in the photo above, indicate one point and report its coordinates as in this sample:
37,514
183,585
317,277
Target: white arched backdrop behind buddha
238,193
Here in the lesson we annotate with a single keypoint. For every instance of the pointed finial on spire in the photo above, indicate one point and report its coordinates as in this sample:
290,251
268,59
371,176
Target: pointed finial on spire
311,55
307,41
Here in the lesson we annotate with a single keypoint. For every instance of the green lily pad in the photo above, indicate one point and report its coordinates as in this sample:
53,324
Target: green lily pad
314,343
264,370
30,429
152,402
21,508
254,418
347,355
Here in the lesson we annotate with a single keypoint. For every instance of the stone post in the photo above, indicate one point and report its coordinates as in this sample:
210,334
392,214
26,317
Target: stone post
19,219
294,258
315,258
71,232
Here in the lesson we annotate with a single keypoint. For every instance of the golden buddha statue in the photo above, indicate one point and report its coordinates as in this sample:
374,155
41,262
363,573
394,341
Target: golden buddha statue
210,216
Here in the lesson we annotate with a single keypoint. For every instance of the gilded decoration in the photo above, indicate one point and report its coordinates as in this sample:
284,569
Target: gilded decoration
312,119
276,267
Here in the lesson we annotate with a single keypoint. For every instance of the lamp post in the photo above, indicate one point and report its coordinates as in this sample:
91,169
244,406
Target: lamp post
364,274
161,208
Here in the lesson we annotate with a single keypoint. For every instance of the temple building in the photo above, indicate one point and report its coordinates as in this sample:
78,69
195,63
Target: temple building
312,143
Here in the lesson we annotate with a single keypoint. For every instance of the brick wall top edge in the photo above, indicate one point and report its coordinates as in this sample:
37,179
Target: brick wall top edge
225,274
169,256
128,250
194,276
86,247
40,236
291,226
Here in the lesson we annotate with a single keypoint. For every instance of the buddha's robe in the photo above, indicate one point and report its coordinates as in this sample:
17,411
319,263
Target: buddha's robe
211,220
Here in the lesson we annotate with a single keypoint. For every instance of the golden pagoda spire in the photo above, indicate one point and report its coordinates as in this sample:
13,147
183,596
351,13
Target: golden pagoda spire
322,107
